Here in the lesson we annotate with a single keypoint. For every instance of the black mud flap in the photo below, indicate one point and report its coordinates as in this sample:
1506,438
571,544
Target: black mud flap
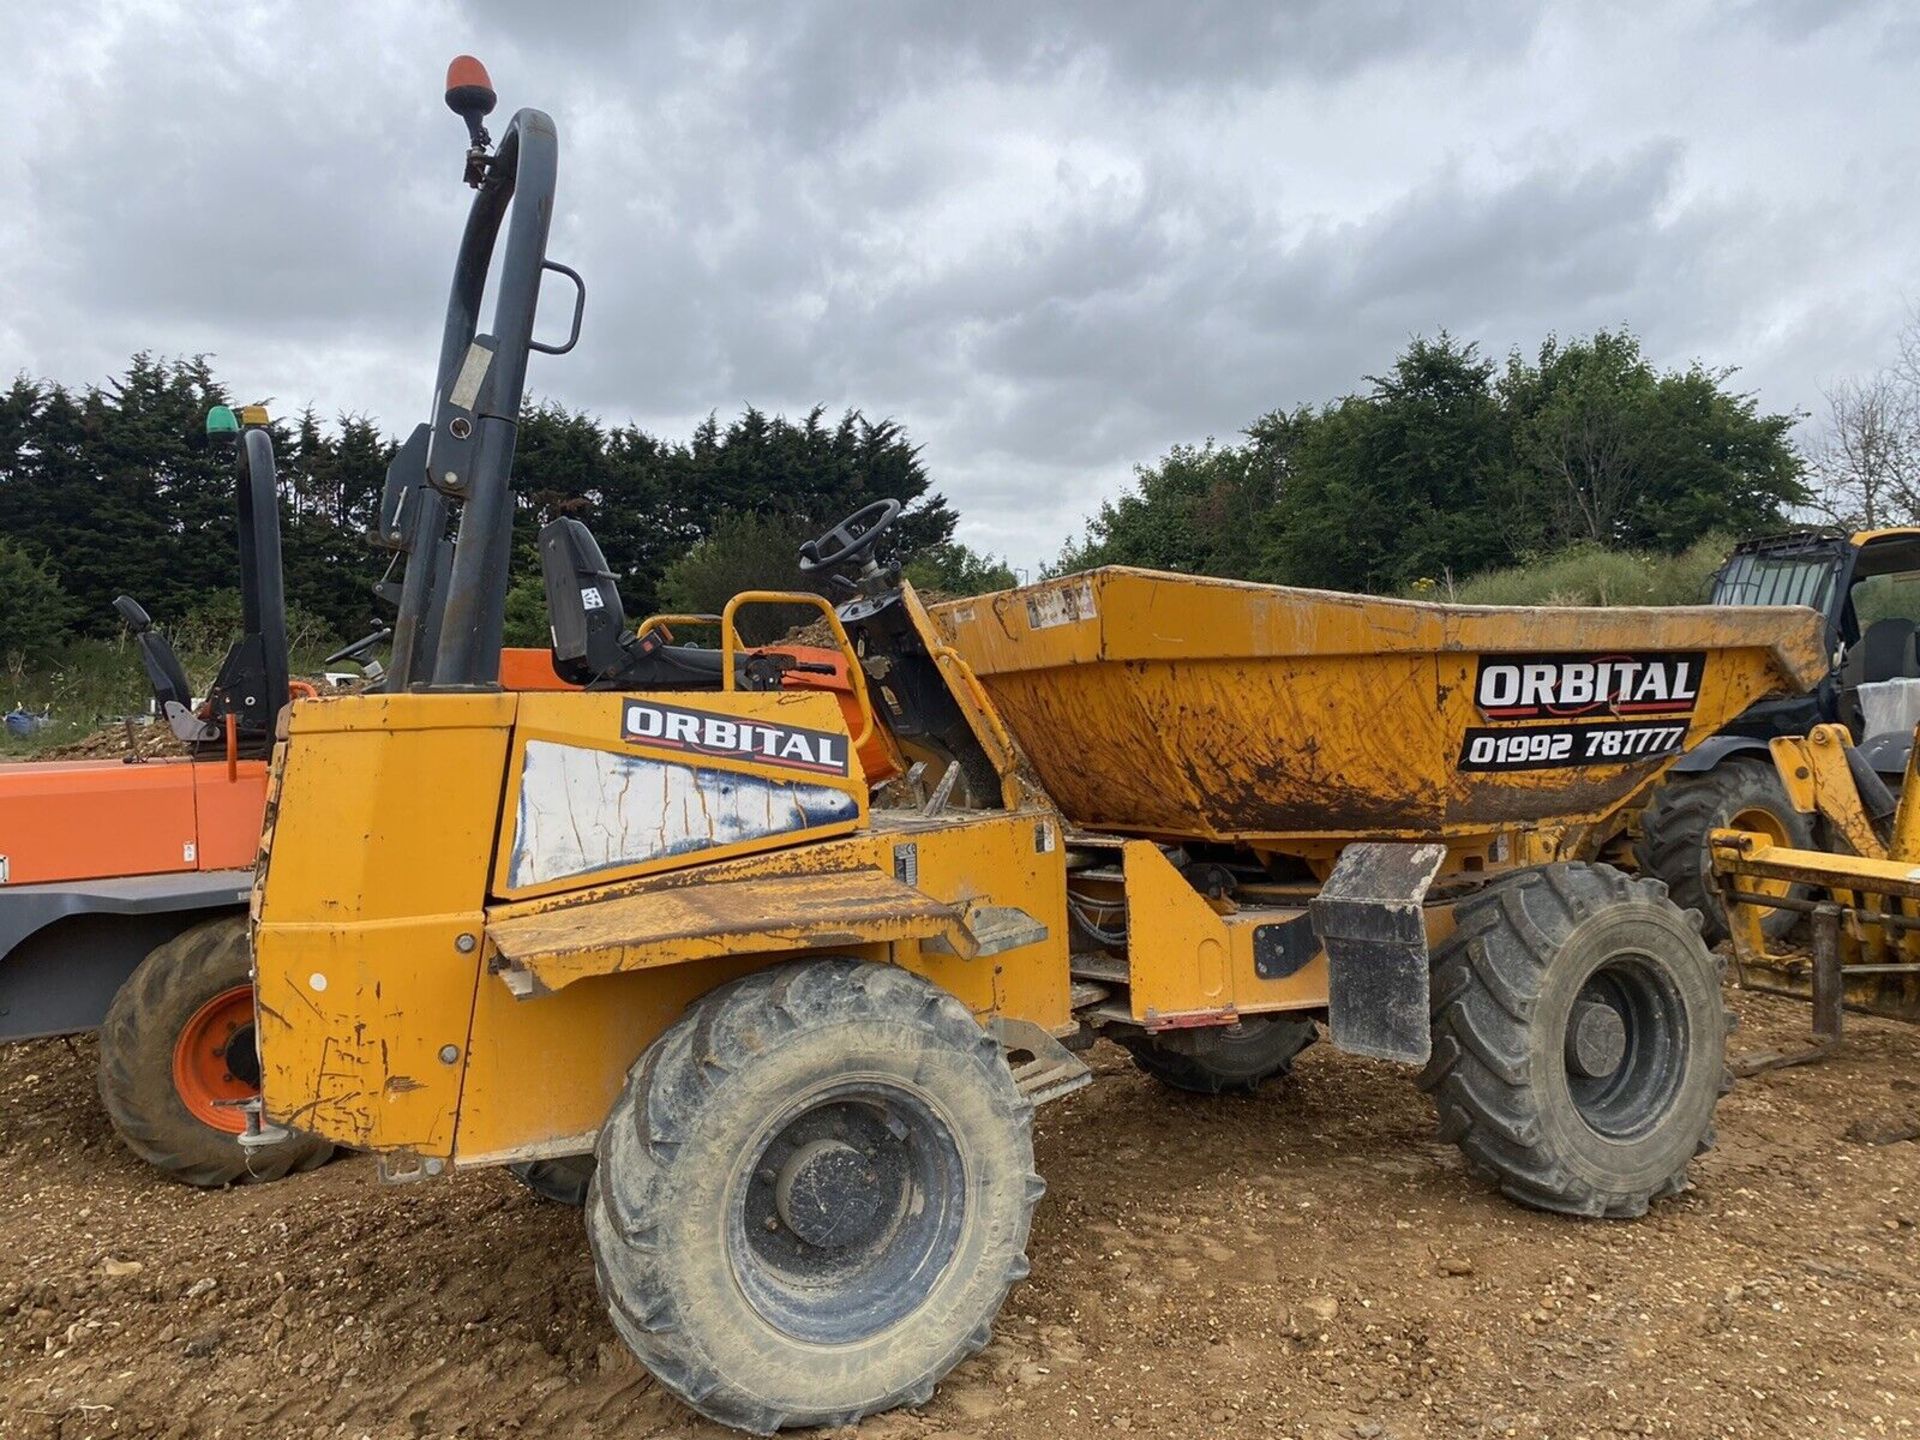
1370,917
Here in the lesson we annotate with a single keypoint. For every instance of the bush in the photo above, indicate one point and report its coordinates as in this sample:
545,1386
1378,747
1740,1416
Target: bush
1588,575
743,552
34,610
528,624
955,569
203,635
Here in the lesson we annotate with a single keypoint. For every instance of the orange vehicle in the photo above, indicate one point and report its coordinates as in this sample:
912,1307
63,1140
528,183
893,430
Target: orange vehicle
123,883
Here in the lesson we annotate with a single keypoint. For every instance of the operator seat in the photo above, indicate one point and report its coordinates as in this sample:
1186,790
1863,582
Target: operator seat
1887,651
171,690
592,644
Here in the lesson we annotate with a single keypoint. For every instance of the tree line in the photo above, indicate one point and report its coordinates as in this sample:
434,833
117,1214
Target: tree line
1446,465
112,490
1450,464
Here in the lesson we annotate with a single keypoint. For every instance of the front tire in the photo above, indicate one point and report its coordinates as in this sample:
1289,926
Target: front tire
1221,1059
177,1053
813,1196
1739,794
1579,1040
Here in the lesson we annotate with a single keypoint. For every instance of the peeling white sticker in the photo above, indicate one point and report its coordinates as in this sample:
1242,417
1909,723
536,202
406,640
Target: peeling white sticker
1061,605
584,810
590,597
466,386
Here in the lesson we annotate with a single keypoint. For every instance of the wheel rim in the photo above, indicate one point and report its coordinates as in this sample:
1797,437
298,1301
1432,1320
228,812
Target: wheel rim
850,1209
1625,1046
215,1064
1762,821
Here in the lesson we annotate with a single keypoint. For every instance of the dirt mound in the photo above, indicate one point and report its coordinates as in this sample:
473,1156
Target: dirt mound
116,742
1307,1263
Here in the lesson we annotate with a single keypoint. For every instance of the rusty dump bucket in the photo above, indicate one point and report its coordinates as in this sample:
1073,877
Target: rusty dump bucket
1176,706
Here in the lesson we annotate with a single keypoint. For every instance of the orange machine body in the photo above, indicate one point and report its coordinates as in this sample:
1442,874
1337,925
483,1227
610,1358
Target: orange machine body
100,819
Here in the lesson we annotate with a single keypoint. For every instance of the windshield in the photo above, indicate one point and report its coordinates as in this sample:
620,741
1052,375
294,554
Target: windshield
1793,579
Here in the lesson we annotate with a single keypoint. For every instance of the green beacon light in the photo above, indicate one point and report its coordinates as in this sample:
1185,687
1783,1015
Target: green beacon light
222,422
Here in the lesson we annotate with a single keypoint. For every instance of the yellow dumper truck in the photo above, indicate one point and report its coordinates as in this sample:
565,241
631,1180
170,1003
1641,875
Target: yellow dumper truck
792,941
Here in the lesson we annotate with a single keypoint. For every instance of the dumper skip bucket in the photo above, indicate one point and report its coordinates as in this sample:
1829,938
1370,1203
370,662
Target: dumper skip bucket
1184,707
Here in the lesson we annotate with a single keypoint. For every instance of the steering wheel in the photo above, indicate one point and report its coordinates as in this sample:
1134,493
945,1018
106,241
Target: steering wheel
851,539
360,646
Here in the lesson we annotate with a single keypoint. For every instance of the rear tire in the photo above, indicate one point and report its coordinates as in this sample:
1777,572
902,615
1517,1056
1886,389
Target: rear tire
1222,1059
179,1036
1740,792
813,1196
1579,1040
563,1181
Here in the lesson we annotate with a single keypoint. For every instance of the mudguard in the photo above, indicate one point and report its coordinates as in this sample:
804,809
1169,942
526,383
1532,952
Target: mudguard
66,948
1708,754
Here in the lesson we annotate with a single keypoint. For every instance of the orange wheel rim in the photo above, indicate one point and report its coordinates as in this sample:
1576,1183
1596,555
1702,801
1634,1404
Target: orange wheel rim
214,1064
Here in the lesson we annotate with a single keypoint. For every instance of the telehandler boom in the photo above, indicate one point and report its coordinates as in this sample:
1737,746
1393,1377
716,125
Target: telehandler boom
794,954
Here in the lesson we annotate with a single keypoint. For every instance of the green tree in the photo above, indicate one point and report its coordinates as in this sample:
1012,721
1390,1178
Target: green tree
34,610
742,552
1609,451
1442,467
1198,509
955,569
1402,482
527,621
648,500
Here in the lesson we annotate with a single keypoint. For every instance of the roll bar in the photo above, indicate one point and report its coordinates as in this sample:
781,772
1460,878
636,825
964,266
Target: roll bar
452,615
263,597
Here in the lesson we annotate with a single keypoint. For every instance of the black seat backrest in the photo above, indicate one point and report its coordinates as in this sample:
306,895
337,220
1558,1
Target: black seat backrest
591,642
164,671
583,603
1885,652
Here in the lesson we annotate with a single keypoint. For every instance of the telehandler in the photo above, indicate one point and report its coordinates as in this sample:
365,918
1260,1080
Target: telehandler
1861,894
1866,584
794,953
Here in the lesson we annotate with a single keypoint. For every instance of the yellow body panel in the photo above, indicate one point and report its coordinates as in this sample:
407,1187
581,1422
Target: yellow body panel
382,813
413,1004
1193,964
545,1069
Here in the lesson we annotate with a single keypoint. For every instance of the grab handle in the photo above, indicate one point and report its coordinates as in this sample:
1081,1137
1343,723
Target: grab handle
579,309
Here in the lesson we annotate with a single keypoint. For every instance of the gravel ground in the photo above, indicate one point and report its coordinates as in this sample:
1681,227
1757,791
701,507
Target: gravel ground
1304,1263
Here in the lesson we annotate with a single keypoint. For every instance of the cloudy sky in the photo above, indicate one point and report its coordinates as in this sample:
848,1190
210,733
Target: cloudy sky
1052,238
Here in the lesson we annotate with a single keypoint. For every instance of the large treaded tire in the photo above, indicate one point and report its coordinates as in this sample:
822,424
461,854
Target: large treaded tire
1687,808
136,1077
680,1260
1528,953
1222,1059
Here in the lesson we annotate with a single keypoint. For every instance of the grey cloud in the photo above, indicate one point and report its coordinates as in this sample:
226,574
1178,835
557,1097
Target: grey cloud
1053,239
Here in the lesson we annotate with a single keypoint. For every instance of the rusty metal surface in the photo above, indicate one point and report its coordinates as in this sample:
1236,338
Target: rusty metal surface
1179,706
699,921
1371,918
